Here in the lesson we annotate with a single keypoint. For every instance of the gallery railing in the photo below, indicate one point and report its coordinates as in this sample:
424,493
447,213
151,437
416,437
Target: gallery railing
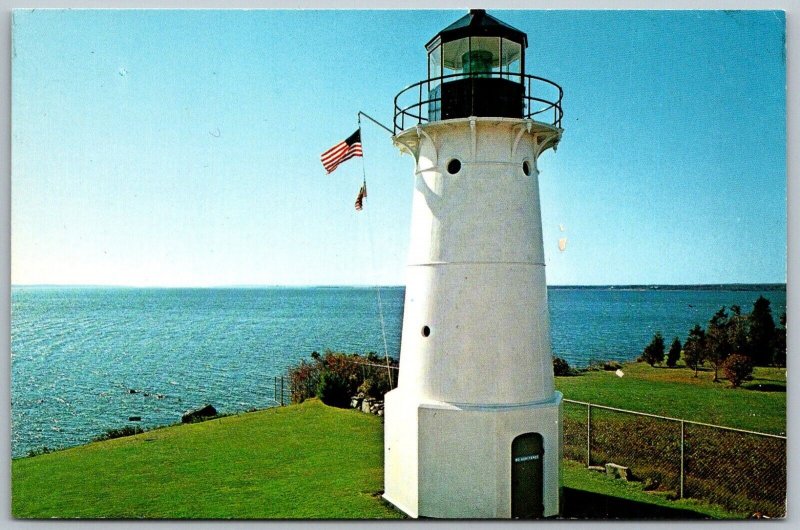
422,102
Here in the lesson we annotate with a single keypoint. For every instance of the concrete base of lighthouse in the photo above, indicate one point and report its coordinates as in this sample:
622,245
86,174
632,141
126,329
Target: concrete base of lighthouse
452,461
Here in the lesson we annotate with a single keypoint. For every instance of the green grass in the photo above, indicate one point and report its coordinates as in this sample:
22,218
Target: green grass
312,461
304,461
759,406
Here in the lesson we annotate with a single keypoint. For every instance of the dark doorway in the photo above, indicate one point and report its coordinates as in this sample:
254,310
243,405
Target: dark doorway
527,476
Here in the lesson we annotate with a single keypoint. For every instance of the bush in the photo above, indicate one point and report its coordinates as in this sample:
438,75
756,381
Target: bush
304,379
128,430
737,369
561,367
353,374
39,451
333,389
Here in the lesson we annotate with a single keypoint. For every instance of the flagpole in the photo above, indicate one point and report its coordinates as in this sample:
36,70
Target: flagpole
373,120
372,251
363,166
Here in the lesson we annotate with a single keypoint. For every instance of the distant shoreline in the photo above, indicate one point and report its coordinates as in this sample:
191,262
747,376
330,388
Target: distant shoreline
633,287
698,287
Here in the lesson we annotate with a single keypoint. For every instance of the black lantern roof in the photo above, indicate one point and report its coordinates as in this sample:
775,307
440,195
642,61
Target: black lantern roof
477,23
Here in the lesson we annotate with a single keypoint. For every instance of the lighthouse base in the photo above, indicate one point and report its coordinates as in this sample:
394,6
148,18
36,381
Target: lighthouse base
470,461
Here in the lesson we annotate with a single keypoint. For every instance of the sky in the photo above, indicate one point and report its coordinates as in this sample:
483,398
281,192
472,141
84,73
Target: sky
181,148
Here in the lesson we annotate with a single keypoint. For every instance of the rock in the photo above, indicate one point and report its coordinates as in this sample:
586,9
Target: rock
134,418
617,471
611,366
132,391
650,484
205,411
355,402
380,412
365,405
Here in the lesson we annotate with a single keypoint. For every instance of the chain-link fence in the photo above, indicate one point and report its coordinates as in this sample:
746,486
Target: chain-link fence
743,471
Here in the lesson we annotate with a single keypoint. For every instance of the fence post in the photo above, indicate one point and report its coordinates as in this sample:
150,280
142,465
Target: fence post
682,458
281,391
275,388
588,434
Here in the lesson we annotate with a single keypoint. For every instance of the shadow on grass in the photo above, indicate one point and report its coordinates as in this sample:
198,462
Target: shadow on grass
578,504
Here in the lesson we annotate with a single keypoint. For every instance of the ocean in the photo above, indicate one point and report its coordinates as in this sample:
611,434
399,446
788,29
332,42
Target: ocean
77,353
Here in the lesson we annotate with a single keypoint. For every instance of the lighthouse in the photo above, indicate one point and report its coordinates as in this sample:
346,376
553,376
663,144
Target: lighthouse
473,429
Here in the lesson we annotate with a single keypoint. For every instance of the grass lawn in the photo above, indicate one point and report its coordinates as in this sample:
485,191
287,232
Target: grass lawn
759,405
310,461
304,461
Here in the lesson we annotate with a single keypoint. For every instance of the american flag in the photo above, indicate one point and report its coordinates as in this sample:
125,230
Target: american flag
342,151
362,193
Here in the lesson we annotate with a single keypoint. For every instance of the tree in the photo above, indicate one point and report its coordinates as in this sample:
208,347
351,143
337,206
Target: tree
780,342
738,331
737,368
718,343
674,353
694,348
762,333
654,352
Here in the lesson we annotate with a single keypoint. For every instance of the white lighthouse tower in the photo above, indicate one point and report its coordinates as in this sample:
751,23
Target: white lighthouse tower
474,428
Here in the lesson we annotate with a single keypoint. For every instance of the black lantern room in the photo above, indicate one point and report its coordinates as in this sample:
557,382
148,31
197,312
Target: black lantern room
476,67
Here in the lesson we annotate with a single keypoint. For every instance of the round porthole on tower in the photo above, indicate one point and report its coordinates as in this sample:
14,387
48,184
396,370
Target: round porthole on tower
526,168
454,166
426,331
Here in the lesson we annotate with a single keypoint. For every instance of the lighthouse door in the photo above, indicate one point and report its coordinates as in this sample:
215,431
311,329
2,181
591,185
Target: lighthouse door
527,476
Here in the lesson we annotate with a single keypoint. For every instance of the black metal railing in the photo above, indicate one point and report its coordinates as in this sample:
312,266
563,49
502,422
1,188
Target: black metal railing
541,98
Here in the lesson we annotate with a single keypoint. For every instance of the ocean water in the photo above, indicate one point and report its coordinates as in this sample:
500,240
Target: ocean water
78,352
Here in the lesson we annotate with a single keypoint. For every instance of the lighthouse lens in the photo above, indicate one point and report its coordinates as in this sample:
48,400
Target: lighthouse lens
478,63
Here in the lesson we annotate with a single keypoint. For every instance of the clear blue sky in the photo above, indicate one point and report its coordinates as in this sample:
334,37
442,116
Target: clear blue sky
182,148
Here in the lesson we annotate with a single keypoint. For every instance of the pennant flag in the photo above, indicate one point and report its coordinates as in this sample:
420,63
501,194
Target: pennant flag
342,151
362,194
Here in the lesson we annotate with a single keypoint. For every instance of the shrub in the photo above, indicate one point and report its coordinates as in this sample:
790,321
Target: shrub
128,430
39,451
333,389
304,379
353,374
378,382
737,369
561,367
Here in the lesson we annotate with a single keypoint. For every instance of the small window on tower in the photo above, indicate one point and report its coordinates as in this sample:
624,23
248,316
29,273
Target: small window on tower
426,331
526,168
454,166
